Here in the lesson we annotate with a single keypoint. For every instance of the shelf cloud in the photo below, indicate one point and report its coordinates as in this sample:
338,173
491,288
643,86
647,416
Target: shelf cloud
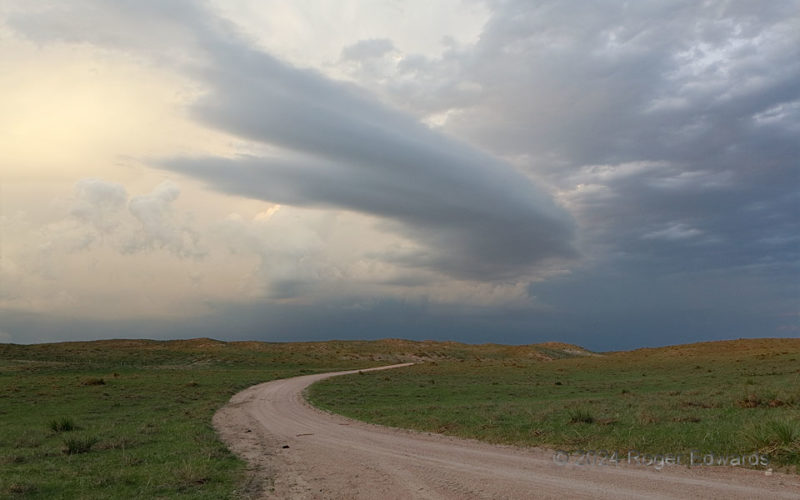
473,215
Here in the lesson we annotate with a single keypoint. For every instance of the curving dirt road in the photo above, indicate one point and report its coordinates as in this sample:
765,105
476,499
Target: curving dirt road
313,454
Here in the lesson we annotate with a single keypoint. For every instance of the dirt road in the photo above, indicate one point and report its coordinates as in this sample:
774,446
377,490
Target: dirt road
313,454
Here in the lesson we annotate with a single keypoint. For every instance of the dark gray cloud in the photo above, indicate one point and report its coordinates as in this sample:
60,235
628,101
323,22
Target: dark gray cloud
683,85
476,216
669,130
597,328
652,117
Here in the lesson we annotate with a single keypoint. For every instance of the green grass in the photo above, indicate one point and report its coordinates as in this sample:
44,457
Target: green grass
132,418
62,424
75,445
722,397
580,416
778,437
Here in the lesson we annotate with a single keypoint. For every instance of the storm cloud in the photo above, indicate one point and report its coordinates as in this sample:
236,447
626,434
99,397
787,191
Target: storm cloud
631,167
475,216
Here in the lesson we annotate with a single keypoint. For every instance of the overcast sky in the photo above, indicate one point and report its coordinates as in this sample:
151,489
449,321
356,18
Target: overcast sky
612,174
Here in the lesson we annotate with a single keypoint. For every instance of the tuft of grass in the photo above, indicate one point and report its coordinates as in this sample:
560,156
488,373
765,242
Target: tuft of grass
63,424
77,445
780,439
778,433
786,432
192,475
581,416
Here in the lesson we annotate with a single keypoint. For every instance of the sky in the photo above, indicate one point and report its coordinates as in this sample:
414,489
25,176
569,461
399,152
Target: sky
610,174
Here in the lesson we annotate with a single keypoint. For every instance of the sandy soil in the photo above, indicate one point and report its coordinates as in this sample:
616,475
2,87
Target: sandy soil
297,451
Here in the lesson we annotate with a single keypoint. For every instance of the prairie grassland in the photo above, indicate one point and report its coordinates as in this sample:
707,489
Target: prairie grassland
728,397
132,418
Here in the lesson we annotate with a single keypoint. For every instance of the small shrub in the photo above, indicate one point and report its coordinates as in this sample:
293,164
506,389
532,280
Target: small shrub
581,417
63,424
75,445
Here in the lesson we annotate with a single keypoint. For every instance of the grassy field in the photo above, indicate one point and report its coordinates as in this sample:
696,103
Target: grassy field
132,418
721,398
